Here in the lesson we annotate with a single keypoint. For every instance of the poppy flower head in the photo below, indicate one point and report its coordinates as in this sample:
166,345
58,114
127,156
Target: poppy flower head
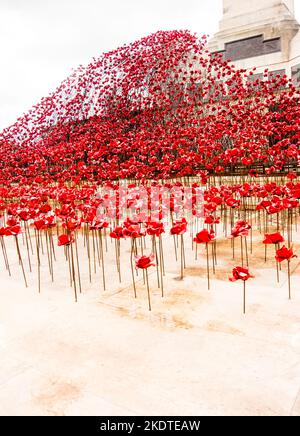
72,224
117,233
241,229
284,253
211,219
133,231
292,176
66,239
39,224
99,224
240,273
24,215
155,228
13,230
144,262
273,238
204,237
179,227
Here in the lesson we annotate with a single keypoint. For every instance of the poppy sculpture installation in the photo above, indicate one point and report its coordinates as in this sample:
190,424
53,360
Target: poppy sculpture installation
161,119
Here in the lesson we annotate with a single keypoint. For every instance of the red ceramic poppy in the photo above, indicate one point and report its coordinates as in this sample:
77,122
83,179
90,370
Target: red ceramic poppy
117,233
72,224
66,239
99,224
284,253
204,237
133,231
13,230
241,229
39,224
155,228
273,238
179,227
210,219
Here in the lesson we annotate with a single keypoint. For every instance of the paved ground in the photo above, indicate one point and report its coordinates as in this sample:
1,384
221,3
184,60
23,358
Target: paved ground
195,353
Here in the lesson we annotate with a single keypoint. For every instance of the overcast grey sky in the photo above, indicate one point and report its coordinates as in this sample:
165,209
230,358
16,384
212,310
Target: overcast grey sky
42,40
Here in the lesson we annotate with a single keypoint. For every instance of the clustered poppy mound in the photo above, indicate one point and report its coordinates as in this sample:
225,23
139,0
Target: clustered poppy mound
161,113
